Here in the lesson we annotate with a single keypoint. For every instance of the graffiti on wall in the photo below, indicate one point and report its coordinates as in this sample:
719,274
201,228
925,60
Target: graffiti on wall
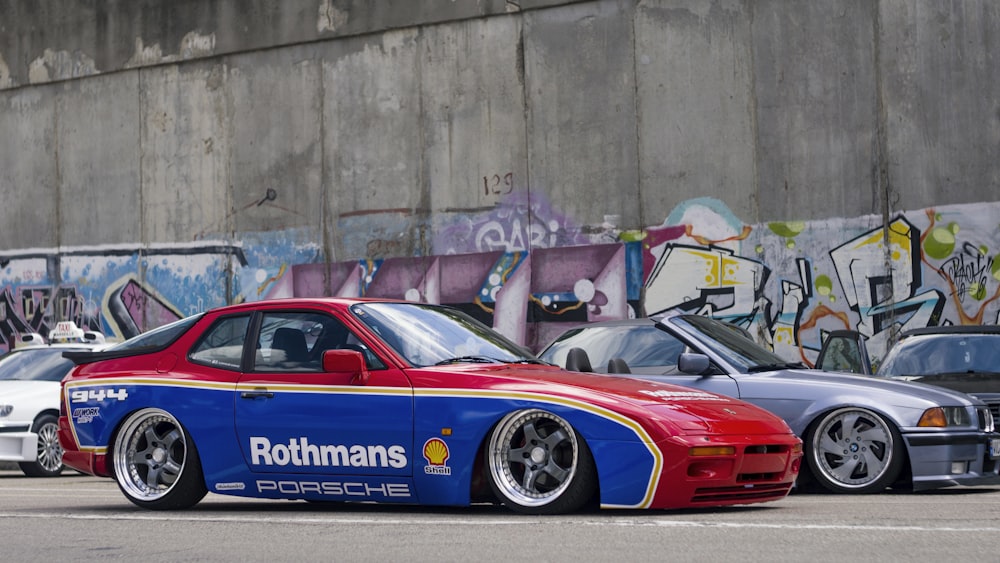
117,290
788,283
522,222
532,272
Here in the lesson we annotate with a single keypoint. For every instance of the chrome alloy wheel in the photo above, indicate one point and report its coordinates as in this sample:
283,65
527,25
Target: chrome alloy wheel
533,457
50,453
855,450
149,455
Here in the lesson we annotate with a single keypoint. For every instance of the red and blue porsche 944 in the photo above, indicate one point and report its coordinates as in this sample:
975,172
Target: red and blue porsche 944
391,401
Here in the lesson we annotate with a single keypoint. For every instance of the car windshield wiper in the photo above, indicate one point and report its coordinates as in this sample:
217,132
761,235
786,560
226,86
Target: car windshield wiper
537,362
469,360
775,367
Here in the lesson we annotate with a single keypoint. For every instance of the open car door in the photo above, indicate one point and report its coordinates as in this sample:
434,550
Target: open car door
844,350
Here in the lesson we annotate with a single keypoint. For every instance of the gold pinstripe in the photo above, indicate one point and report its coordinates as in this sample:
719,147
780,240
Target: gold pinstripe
640,432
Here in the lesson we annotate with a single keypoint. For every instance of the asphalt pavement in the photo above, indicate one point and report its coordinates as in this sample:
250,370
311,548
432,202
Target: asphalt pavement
81,518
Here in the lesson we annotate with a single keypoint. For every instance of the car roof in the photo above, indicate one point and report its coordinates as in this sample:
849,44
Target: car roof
293,302
952,329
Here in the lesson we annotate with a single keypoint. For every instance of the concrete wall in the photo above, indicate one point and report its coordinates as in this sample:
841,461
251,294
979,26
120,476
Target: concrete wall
539,163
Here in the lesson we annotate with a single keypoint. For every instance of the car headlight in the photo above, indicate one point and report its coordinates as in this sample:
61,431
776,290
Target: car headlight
942,417
6,409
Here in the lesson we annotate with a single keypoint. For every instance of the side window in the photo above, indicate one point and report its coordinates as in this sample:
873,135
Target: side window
222,344
295,341
352,343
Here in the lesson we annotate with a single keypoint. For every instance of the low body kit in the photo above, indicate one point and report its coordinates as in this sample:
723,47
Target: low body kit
407,403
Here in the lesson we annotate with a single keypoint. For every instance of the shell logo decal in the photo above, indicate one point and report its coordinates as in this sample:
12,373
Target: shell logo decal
436,453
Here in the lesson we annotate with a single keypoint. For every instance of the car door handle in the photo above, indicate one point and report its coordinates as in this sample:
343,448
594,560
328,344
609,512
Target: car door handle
257,394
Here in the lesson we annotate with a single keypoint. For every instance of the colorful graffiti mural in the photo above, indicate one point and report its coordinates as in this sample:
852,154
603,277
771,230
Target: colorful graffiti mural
117,290
787,283
531,272
522,222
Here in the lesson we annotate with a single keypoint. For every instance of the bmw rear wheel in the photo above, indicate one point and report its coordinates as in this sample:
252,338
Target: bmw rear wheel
156,463
854,450
538,464
48,462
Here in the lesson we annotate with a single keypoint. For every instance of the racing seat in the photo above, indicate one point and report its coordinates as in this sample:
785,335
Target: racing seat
292,342
618,365
578,360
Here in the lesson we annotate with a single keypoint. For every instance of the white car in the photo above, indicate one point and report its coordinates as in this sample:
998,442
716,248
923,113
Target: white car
29,398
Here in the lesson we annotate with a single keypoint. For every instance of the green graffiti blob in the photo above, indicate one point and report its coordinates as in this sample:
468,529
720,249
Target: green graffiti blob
977,291
632,236
940,243
824,285
787,229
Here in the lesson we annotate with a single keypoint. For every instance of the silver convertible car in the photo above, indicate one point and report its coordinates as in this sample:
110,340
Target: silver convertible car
861,434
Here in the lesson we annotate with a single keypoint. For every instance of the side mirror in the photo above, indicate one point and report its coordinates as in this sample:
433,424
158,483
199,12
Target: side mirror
350,361
693,364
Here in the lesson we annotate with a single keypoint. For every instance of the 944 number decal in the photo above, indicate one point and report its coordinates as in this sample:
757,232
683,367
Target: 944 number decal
83,396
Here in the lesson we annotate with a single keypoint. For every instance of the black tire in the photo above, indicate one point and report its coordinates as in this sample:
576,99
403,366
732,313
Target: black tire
156,463
538,464
48,463
854,450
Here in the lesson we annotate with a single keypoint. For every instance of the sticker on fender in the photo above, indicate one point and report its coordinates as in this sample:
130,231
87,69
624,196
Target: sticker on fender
83,415
82,396
335,488
684,395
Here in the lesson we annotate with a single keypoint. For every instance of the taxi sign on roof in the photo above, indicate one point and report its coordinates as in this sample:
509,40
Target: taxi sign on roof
66,330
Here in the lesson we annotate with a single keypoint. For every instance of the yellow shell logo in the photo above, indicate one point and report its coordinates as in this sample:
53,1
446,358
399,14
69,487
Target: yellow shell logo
435,451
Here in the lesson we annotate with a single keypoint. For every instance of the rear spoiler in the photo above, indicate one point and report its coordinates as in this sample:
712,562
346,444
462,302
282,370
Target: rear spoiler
80,357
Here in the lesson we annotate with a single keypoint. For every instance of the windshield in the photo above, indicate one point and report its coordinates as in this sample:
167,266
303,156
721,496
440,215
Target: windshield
35,364
732,344
426,335
640,346
936,354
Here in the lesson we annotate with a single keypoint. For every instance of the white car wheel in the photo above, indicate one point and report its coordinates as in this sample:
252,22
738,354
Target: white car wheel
48,462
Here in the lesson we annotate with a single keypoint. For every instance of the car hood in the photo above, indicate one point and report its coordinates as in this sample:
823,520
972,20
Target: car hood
12,392
685,409
28,398
968,382
902,393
